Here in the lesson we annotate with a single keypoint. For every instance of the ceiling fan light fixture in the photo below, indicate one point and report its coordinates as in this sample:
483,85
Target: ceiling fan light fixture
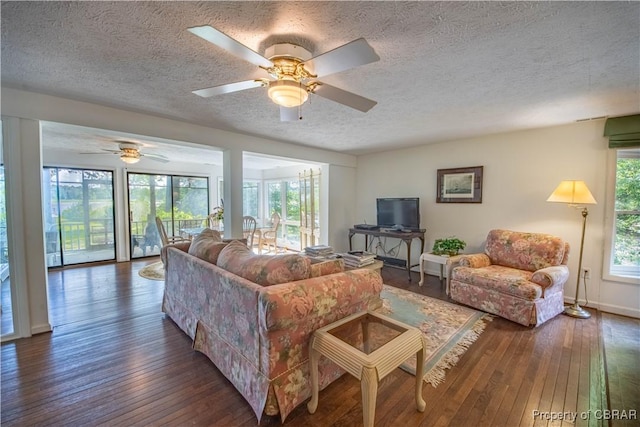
288,93
130,158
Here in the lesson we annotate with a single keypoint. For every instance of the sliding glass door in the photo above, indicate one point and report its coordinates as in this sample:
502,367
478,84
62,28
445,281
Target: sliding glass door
79,216
179,201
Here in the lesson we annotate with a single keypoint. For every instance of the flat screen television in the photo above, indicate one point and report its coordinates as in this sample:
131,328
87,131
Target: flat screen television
404,212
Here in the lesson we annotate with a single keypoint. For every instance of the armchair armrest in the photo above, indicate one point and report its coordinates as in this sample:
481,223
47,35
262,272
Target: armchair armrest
549,277
312,303
475,260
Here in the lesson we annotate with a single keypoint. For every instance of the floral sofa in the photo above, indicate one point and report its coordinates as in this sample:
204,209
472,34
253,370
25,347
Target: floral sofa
253,315
520,276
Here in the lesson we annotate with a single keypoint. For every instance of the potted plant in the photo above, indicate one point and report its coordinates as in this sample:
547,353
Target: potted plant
450,246
218,213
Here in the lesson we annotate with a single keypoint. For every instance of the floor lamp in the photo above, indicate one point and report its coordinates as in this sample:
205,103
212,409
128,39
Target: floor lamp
575,193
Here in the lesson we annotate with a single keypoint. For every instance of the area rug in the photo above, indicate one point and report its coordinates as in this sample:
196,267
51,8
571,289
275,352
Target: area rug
448,329
153,271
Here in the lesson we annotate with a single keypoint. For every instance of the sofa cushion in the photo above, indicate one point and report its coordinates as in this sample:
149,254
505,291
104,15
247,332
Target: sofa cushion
324,268
505,280
263,270
524,251
207,245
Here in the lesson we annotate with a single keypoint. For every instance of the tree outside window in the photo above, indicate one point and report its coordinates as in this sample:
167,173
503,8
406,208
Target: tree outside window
625,254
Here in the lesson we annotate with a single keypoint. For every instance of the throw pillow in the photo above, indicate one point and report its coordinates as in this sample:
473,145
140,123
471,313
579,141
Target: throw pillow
207,245
263,270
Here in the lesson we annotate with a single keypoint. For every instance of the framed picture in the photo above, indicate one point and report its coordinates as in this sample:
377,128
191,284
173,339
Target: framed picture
460,185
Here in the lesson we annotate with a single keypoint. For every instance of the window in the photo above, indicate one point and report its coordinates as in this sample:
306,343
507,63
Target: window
250,198
624,237
283,196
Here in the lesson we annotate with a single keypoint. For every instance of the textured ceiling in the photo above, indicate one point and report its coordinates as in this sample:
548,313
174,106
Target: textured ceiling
447,69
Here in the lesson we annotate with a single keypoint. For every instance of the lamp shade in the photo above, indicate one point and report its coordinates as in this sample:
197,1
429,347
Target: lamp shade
573,192
287,93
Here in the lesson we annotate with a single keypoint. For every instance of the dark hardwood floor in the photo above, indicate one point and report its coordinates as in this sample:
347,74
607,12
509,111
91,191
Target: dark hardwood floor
114,359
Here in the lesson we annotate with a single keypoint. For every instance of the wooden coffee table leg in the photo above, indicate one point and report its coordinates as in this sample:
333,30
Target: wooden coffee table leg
369,387
314,355
420,403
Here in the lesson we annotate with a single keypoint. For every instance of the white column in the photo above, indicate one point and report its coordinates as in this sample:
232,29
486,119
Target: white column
232,175
23,162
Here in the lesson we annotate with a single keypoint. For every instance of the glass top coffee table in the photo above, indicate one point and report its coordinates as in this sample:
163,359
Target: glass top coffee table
384,345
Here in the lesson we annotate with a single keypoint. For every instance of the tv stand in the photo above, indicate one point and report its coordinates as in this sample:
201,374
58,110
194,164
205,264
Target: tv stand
406,236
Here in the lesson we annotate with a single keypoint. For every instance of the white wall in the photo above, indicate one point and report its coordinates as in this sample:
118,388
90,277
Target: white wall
23,104
521,169
341,184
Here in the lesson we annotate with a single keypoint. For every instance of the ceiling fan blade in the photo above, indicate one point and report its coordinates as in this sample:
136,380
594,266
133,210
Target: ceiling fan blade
228,88
350,55
233,46
289,114
156,157
343,97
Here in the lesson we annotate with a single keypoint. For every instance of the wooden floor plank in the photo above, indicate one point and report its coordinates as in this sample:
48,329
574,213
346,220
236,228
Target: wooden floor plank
571,393
621,337
115,359
533,398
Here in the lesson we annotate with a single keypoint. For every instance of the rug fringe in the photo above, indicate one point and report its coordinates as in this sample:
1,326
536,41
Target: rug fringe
436,375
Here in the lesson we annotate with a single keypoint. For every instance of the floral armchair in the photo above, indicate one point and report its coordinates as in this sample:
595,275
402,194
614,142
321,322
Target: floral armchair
520,276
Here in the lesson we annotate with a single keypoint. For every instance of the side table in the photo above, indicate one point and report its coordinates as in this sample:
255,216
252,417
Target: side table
384,347
443,260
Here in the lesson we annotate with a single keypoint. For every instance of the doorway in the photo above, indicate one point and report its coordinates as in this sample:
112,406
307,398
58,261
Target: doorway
78,216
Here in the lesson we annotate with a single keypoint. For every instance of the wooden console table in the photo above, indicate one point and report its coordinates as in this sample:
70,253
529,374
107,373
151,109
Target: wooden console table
406,236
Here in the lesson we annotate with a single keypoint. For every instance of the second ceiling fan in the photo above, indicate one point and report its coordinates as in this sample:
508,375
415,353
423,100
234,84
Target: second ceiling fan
293,72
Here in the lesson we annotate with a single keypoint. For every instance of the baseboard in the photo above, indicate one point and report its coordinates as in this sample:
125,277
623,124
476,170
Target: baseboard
392,262
622,311
40,329
608,308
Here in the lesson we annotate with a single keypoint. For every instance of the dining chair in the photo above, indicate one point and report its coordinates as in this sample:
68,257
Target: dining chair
166,240
249,225
269,235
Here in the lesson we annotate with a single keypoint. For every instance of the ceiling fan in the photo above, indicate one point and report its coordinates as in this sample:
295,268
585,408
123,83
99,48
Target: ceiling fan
293,72
130,153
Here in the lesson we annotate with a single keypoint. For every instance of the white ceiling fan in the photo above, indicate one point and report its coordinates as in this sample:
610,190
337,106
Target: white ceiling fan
129,152
293,72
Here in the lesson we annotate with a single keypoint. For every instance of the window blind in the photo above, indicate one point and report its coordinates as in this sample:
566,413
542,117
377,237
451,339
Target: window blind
623,132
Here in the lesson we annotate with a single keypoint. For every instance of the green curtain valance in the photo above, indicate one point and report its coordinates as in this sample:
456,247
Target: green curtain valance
623,132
